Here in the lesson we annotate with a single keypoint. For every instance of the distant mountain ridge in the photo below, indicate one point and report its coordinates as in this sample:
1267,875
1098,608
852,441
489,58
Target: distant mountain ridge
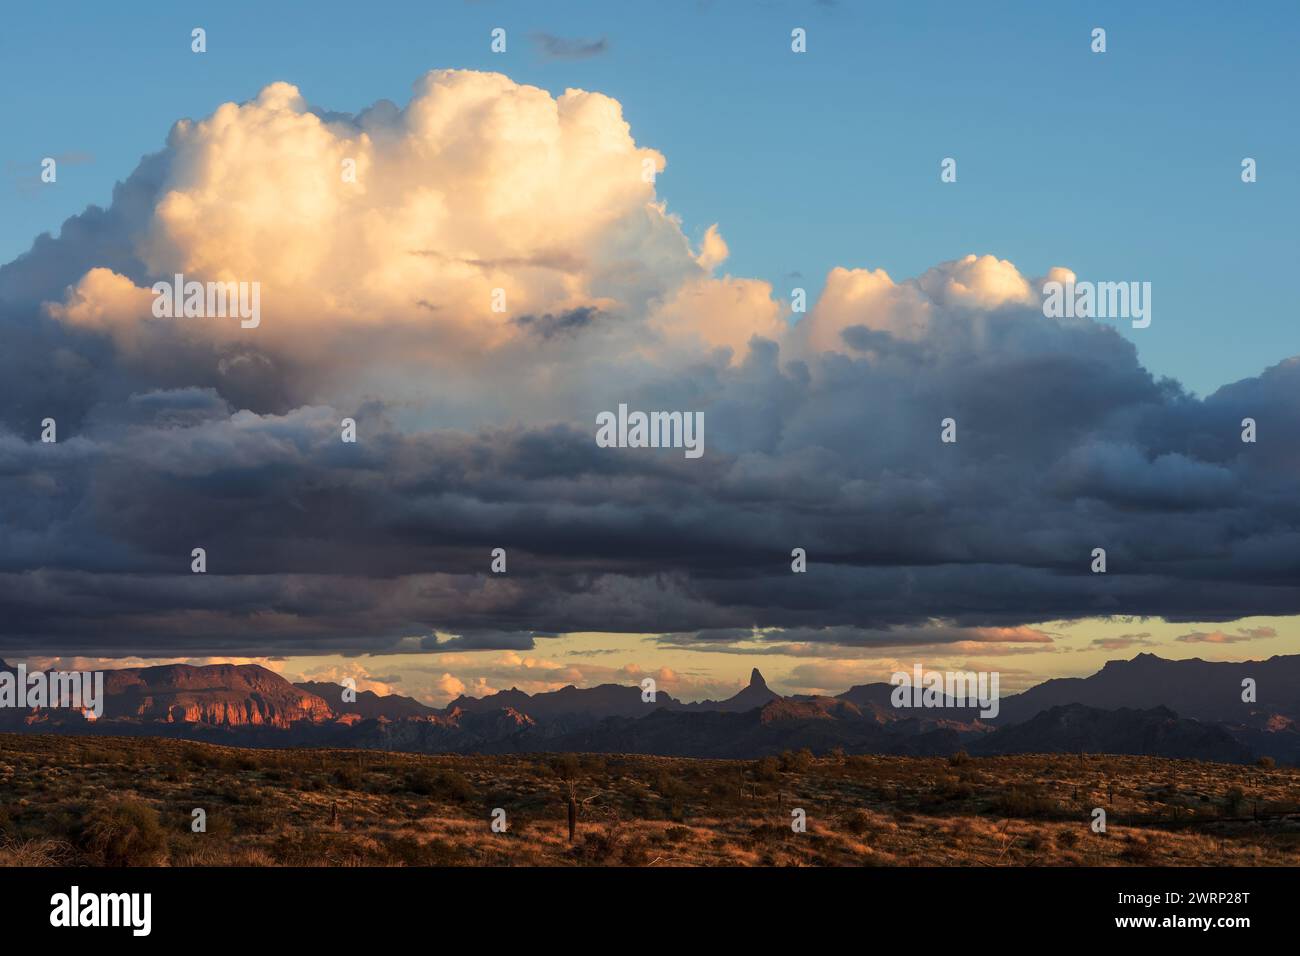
367,704
1148,704
599,702
1202,690
1077,728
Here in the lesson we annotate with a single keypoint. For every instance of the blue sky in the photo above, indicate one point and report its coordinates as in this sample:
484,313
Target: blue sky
1119,166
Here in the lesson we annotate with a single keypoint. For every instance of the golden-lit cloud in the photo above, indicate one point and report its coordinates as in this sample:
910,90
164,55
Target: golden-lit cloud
419,219
939,301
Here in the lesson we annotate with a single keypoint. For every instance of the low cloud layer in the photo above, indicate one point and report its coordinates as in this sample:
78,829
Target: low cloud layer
476,427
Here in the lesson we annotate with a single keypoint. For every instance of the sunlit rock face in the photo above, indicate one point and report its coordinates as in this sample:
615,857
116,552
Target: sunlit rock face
224,695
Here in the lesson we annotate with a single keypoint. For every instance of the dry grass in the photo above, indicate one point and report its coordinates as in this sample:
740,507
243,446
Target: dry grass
125,801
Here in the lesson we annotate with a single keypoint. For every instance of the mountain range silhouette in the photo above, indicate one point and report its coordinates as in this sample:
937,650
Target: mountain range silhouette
1147,705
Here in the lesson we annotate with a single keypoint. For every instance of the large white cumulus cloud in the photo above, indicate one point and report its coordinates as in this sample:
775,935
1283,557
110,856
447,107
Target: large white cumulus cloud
479,184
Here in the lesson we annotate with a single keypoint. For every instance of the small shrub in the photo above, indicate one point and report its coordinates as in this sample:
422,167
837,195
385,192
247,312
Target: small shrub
348,777
602,845
405,850
252,820
444,785
797,762
1137,851
566,766
858,822
635,852
1236,800
677,834
124,833
1024,801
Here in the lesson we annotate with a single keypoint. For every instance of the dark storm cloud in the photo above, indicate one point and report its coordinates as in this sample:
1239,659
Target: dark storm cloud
314,544
482,641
